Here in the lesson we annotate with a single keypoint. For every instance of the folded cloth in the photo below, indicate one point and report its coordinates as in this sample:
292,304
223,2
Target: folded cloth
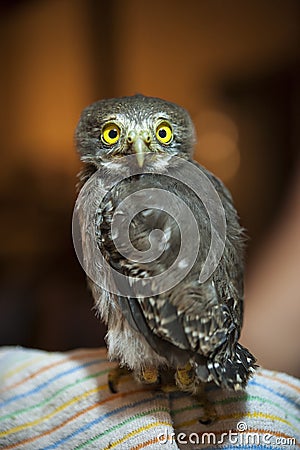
62,400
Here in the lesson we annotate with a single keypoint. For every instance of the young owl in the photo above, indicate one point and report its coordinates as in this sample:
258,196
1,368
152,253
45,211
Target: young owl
186,332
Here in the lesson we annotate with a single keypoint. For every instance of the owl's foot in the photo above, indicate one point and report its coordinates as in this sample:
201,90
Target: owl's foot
185,377
149,375
209,414
114,376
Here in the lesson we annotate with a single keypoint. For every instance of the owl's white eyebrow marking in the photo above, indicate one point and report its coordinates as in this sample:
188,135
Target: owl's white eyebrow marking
109,118
162,118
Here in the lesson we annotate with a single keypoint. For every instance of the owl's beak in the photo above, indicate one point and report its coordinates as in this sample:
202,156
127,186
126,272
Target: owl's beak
139,144
140,148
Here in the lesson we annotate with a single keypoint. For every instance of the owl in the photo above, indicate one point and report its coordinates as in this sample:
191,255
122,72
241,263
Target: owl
182,334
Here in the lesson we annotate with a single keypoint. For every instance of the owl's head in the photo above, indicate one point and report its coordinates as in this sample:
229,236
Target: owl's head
117,127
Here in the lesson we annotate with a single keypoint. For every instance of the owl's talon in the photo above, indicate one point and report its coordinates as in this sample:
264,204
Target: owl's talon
114,376
206,420
209,414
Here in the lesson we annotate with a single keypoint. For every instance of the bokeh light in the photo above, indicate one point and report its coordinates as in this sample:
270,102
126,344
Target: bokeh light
217,145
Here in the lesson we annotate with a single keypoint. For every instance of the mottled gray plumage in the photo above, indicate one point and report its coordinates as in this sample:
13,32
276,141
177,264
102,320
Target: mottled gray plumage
192,322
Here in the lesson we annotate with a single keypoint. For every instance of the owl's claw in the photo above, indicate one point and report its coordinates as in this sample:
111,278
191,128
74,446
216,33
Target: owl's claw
114,376
209,414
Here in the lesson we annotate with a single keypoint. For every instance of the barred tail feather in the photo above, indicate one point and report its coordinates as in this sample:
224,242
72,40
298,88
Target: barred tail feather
232,372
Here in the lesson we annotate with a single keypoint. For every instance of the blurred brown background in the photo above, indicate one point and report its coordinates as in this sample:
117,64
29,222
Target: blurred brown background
233,64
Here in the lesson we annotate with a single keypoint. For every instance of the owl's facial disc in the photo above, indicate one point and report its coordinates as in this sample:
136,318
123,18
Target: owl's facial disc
140,140
140,144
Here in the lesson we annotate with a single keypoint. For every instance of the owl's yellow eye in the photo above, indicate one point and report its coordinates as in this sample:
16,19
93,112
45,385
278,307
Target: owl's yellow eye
110,133
164,132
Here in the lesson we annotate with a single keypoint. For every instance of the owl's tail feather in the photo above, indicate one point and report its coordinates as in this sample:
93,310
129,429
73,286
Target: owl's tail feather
229,372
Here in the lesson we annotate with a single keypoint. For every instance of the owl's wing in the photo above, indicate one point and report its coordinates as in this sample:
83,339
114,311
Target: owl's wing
206,335
195,320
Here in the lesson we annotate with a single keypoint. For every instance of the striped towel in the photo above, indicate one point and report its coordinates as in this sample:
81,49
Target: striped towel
61,400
